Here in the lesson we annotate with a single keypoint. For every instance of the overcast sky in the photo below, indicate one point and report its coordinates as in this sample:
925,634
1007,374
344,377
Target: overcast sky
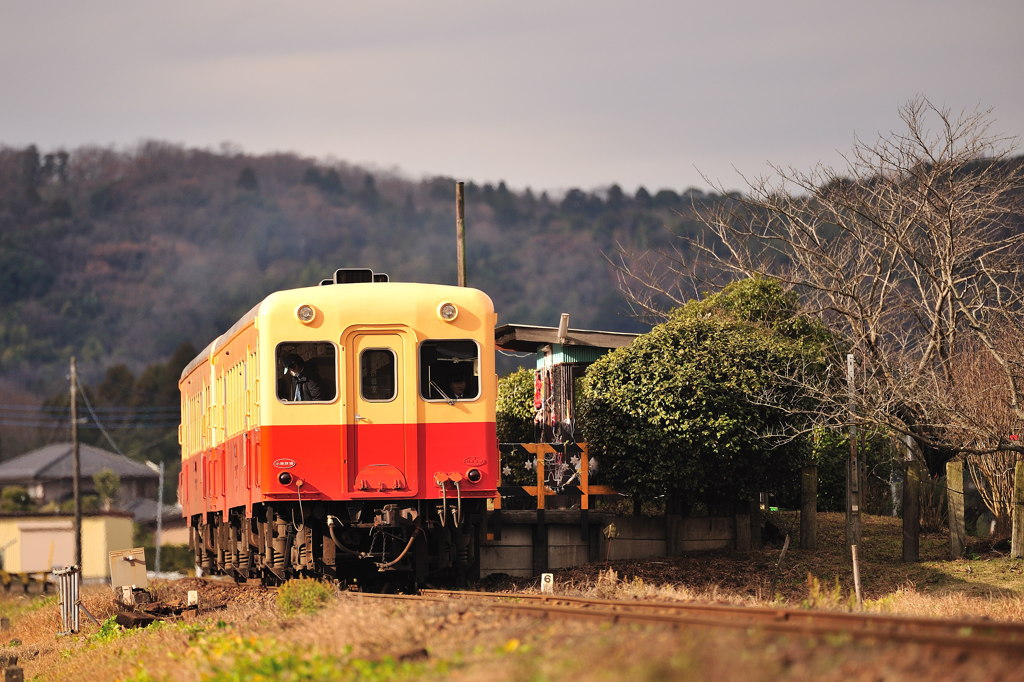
548,95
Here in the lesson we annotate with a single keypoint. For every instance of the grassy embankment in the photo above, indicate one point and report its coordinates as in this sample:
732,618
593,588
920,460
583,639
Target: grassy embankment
320,635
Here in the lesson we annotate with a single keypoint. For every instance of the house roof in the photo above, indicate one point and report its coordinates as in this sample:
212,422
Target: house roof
144,511
54,462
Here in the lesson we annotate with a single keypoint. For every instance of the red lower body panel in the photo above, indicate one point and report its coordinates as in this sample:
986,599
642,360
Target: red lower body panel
333,462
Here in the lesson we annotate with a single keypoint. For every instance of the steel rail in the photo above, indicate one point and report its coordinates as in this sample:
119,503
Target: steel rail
1003,637
1006,638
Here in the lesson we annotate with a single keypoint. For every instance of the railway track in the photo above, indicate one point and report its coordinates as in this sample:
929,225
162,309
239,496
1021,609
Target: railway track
1004,638
971,635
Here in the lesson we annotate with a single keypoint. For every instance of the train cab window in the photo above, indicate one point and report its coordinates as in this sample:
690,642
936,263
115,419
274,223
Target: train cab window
377,374
449,370
306,372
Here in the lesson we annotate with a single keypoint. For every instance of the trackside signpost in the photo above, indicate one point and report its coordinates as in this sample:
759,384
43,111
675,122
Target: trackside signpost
853,494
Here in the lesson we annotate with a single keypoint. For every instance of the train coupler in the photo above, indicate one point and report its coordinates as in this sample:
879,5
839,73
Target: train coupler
391,515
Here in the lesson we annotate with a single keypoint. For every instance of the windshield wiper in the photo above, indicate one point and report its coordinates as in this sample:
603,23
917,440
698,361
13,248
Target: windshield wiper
450,401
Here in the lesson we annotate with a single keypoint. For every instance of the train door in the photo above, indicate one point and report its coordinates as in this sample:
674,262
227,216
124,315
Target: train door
379,417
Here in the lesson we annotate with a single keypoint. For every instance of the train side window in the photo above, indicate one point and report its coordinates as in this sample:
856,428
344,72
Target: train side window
306,371
377,369
443,364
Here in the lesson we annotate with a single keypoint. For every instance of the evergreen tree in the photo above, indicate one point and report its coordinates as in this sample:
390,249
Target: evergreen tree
247,180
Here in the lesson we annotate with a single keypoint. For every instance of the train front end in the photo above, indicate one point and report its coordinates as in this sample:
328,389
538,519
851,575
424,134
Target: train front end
369,449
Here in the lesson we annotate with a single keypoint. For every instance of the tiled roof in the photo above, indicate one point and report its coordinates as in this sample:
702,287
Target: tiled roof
144,511
53,462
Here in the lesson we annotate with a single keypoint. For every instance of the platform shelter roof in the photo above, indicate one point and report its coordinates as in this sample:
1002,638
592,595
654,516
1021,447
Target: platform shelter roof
524,338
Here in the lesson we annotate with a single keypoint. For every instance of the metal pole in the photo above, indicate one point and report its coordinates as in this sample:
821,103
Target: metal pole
159,519
853,501
460,231
76,468
856,574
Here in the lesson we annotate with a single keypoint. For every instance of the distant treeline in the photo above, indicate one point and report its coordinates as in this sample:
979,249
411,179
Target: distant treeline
119,257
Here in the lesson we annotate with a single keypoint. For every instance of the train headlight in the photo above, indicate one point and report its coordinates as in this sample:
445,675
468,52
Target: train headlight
474,475
284,478
305,313
447,311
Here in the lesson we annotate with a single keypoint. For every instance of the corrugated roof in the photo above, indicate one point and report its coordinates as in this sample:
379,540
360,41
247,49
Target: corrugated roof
531,338
53,462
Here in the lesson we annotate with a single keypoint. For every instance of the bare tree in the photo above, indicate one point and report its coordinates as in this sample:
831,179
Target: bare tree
913,254
982,400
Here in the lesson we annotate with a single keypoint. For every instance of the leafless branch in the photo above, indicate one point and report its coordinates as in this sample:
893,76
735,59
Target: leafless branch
912,254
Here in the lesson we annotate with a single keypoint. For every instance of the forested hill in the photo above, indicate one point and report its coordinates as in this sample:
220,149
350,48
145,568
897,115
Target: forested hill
119,257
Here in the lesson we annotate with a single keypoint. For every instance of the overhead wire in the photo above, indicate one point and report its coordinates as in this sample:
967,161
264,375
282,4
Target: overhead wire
114,417
114,410
96,419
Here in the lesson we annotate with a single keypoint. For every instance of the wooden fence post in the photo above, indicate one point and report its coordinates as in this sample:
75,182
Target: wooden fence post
1017,534
809,507
756,521
911,503
742,533
955,502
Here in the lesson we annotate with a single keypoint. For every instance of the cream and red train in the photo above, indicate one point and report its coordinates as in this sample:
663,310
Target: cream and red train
359,462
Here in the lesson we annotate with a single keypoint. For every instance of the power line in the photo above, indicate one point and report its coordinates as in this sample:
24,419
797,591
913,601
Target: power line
110,417
62,409
106,435
55,423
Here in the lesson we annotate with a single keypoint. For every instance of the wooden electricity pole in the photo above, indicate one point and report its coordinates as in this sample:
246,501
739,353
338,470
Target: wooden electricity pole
460,230
76,468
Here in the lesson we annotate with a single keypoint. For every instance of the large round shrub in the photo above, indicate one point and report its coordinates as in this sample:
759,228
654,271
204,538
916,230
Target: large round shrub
693,408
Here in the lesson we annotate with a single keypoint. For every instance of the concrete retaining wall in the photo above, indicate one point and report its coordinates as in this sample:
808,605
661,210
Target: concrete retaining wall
525,543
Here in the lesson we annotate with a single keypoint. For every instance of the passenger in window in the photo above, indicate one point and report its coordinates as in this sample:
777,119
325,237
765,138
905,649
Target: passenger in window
305,384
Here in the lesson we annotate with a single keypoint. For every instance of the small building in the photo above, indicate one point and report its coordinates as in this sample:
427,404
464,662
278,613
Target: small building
36,543
47,474
563,356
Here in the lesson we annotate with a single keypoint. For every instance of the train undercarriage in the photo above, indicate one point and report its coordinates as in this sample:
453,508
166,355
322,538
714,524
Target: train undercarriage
360,545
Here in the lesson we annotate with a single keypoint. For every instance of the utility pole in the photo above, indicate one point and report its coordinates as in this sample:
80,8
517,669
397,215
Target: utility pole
460,231
76,468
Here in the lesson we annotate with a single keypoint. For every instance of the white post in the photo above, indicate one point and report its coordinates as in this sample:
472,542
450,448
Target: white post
67,588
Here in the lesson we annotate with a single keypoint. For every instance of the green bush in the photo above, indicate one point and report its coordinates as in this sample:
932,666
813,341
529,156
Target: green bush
108,632
303,595
515,408
230,657
15,498
680,411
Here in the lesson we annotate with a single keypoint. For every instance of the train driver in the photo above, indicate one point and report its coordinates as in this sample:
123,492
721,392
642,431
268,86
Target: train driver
457,387
305,384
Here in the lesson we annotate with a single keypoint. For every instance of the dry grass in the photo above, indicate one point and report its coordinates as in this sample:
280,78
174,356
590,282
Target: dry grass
986,586
352,637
